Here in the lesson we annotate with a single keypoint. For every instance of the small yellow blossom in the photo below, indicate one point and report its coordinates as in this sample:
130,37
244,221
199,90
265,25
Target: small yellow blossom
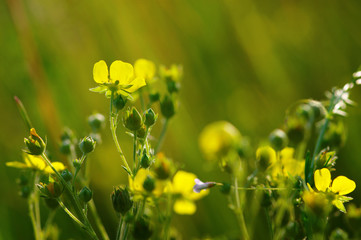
217,139
182,185
340,187
36,163
136,185
121,78
287,165
145,69
174,72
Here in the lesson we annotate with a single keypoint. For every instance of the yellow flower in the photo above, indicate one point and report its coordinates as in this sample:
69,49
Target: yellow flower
339,187
145,69
217,139
182,185
287,165
136,185
174,72
121,78
36,163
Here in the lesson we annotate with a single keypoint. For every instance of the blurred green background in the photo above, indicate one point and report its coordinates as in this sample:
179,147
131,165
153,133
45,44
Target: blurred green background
244,61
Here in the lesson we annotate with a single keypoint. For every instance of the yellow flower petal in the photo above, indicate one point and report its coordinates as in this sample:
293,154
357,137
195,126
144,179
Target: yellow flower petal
16,165
144,68
137,183
35,162
322,179
136,84
339,205
184,207
100,72
121,71
57,165
343,185
183,182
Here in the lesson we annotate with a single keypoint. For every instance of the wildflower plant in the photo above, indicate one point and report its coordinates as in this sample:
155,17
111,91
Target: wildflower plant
286,179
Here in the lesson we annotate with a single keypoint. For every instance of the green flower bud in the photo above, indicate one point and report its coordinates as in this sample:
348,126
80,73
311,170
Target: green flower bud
144,161
305,111
295,130
225,188
85,194
67,134
66,174
34,143
149,183
154,97
119,102
87,145
141,132
162,168
121,200
142,229
132,119
278,139
172,86
51,203
149,117
265,157
65,147
76,163
319,111
25,191
51,189
96,122
167,107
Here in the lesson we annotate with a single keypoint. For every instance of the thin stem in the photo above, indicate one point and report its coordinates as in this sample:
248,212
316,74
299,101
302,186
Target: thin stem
89,229
114,134
37,209
97,220
269,222
77,169
162,135
48,222
239,211
120,225
142,104
134,148
71,214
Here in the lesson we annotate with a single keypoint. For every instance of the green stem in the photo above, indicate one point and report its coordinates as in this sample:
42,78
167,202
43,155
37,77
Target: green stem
77,169
162,135
23,112
114,135
97,220
82,225
134,148
239,211
269,222
142,104
120,226
89,229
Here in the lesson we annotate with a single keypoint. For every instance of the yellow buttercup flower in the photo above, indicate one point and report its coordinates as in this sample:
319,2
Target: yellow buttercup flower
182,185
120,78
340,186
287,165
36,163
145,69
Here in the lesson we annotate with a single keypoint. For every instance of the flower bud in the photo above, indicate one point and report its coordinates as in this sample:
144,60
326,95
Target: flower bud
149,183
22,180
132,119
141,132
278,139
66,174
121,200
144,161
162,168
87,145
142,229
119,102
295,130
76,163
225,188
51,189
154,97
85,194
149,117
265,157
96,122
35,143
172,86
67,134
167,107
65,147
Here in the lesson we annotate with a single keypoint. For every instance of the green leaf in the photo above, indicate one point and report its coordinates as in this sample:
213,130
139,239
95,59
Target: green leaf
99,89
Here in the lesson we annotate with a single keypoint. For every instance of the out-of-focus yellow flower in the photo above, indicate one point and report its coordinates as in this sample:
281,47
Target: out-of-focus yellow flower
36,163
287,165
318,203
217,139
121,78
136,185
182,185
145,69
340,187
174,72
265,156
